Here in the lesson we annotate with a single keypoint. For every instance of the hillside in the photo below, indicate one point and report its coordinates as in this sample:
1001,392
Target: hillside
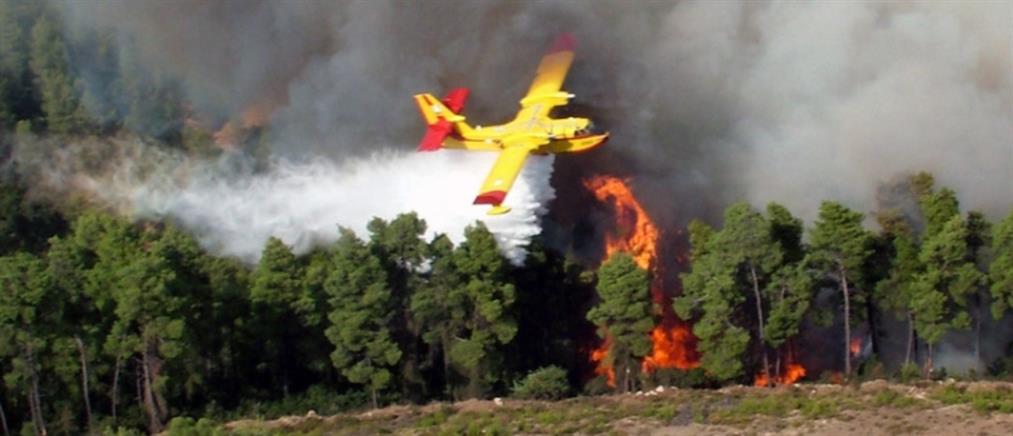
870,408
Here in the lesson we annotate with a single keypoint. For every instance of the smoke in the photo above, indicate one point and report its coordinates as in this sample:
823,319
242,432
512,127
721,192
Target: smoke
304,203
707,102
233,208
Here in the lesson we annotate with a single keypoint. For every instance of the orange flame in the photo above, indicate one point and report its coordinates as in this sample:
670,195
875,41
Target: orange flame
603,367
673,344
671,349
793,372
855,345
638,234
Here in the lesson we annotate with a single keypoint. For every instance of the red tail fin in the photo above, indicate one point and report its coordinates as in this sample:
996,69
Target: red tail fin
436,114
455,99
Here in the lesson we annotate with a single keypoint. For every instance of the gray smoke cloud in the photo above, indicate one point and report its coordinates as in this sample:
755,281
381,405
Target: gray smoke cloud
762,101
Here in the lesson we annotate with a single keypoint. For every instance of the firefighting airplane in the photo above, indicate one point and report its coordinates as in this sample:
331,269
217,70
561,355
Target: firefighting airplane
531,131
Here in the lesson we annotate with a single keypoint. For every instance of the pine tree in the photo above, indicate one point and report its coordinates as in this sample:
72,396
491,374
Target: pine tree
1001,269
790,289
746,244
488,298
59,97
17,95
29,315
361,311
941,290
839,248
438,308
979,242
897,290
624,313
276,289
711,297
150,309
401,249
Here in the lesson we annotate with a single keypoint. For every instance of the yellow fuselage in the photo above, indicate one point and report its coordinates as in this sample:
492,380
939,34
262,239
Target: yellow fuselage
555,135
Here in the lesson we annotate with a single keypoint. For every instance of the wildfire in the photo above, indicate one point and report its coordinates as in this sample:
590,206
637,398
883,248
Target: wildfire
637,234
793,372
604,367
855,346
670,348
673,344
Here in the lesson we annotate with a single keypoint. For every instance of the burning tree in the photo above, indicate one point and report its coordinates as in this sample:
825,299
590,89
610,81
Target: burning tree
672,343
623,316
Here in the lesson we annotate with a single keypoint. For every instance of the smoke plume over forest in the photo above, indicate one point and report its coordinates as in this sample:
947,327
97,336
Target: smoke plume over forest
708,102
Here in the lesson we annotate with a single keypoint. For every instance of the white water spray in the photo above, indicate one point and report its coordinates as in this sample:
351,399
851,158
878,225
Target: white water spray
233,210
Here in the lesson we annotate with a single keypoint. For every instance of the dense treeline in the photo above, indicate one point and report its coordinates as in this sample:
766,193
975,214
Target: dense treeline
112,323
119,324
753,282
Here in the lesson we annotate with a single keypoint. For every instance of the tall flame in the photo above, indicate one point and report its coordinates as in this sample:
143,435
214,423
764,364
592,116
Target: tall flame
603,367
637,234
673,344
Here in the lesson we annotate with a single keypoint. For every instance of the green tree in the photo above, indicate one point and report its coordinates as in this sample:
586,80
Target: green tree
790,289
59,97
710,296
938,207
438,307
1001,269
17,99
839,248
942,289
624,313
29,314
275,289
979,242
402,250
746,244
150,307
488,297
361,312
896,291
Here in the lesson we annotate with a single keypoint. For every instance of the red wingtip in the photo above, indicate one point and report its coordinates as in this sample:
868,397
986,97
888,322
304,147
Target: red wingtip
564,42
494,198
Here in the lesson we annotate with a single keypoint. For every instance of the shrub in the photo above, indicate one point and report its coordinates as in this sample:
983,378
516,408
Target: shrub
547,383
818,408
909,372
183,426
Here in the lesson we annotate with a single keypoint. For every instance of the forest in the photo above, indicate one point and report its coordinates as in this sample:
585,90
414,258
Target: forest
114,325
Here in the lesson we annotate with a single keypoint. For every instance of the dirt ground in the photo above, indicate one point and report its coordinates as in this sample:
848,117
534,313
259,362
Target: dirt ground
872,408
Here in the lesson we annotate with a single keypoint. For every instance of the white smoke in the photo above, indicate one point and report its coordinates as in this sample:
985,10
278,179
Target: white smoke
233,210
304,203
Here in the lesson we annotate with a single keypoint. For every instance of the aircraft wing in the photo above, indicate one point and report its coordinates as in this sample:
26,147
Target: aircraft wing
502,175
544,92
